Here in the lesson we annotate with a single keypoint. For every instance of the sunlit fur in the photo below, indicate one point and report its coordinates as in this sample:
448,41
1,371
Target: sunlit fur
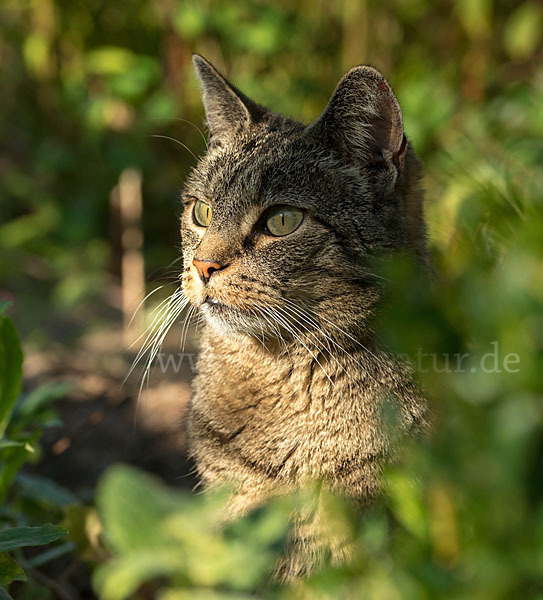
291,385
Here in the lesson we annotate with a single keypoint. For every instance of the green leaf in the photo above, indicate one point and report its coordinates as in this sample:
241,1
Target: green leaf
4,595
43,490
132,506
11,460
30,407
407,503
120,578
10,570
20,537
11,361
11,444
4,305
52,553
201,594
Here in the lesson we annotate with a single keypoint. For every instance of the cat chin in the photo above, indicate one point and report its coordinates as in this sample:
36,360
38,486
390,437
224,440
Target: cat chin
228,321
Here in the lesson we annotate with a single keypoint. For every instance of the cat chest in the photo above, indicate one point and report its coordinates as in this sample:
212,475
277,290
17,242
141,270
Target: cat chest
287,420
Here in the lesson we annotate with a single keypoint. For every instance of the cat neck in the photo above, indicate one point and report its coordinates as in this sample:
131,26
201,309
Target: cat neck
312,344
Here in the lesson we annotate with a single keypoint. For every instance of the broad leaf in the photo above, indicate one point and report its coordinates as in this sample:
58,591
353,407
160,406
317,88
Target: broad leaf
19,537
52,553
43,490
202,594
4,595
10,570
132,506
11,444
32,406
11,361
407,504
11,460
120,578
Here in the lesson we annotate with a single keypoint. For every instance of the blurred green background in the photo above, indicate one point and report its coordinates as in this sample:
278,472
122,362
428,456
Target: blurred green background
85,87
86,84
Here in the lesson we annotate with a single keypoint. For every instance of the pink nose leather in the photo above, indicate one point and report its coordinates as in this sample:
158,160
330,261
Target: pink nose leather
206,268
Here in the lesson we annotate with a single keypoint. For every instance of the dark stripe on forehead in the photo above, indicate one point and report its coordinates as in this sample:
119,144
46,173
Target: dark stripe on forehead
246,171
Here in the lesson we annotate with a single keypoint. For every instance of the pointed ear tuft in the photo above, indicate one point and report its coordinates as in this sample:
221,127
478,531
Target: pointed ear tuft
228,111
363,121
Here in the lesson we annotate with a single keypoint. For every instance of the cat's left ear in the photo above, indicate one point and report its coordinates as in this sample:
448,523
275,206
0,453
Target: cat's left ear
228,111
363,122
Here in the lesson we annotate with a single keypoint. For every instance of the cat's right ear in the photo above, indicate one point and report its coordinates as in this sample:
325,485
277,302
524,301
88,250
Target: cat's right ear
363,123
228,111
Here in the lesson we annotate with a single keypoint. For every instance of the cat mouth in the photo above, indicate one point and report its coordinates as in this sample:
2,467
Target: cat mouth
214,305
216,308
230,319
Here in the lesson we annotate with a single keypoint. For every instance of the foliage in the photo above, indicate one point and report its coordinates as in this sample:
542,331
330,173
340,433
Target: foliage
86,85
462,513
155,532
22,420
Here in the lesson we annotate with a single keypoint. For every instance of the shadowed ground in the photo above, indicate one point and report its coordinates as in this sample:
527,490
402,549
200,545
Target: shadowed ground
102,420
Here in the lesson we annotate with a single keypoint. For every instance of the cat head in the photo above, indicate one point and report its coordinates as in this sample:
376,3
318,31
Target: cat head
281,220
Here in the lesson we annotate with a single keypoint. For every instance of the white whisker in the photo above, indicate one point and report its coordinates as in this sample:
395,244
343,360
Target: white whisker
295,331
338,346
176,302
142,302
186,326
318,316
166,137
157,309
195,127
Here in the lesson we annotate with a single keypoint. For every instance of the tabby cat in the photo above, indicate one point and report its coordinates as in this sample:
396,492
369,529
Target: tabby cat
280,223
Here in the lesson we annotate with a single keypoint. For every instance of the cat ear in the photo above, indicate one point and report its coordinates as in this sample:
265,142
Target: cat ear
228,111
363,121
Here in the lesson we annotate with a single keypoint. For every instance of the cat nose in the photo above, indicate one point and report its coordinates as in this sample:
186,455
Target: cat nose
206,268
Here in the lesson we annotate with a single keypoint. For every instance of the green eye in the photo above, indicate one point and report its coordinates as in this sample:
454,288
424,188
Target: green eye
283,220
202,213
